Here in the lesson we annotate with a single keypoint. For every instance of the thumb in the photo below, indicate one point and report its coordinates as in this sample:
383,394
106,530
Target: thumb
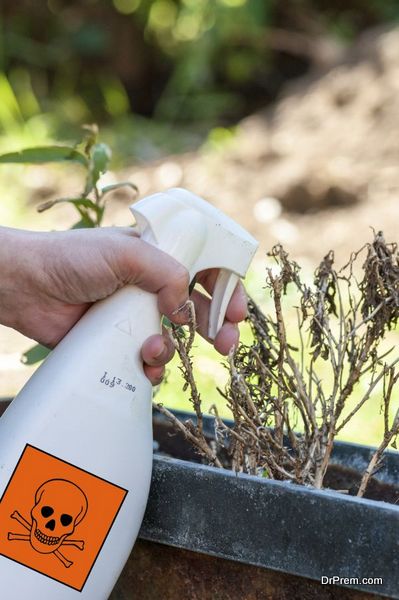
155,271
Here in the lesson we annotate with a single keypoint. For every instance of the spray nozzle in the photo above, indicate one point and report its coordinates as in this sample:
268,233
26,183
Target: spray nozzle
200,237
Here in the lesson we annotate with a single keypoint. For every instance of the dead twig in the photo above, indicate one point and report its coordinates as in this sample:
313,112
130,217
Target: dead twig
288,390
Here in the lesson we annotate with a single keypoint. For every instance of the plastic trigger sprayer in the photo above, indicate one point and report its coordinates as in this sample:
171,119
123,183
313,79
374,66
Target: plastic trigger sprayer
76,443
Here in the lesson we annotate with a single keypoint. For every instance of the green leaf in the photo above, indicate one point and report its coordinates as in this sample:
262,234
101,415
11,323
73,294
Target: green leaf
166,322
179,330
86,202
35,354
45,154
10,111
86,219
84,223
100,157
79,203
116,186
91,134
82,204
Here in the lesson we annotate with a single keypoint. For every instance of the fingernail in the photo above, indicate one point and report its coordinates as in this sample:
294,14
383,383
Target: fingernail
181,308
182,312
159,379
160,352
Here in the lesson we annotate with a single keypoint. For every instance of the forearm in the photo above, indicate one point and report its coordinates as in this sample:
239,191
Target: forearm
7,250
18,263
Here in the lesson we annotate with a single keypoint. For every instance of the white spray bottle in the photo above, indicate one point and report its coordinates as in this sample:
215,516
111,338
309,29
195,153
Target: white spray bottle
76,443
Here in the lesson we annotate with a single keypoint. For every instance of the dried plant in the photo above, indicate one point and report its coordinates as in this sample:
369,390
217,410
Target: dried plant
290,391
183,343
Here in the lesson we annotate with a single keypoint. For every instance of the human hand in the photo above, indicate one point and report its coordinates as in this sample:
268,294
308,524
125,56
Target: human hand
49,280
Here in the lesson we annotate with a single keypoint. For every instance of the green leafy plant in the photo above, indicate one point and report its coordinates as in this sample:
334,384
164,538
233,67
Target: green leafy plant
92,156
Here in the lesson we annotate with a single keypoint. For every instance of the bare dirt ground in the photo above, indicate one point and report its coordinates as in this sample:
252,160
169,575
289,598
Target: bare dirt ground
315,172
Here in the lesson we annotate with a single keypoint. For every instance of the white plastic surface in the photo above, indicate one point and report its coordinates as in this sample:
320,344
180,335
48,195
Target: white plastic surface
67,411
225,285
89,405
200,237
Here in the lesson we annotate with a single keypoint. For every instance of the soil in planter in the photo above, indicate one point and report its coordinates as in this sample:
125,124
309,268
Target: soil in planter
158,572
338,477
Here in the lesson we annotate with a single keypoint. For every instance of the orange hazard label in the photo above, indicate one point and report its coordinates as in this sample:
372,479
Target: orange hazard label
55,517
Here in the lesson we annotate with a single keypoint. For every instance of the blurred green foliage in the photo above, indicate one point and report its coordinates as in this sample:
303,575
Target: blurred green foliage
158,75
199,62
94,157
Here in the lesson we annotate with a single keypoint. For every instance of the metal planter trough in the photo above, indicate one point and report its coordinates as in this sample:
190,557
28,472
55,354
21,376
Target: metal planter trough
210,534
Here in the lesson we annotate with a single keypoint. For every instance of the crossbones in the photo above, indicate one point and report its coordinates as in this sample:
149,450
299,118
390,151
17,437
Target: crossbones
26,538
60,506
